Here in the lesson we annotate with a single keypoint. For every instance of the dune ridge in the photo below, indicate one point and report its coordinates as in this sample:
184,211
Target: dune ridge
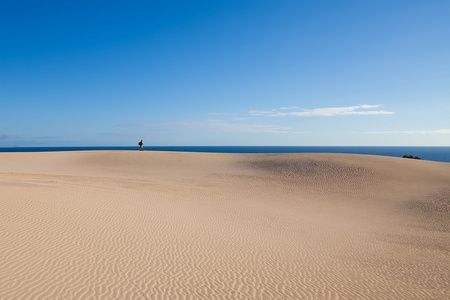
165,225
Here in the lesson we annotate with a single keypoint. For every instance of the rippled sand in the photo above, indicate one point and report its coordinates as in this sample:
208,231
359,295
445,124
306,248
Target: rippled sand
167,225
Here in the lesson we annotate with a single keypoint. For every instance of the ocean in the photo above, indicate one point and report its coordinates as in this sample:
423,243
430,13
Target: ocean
441,154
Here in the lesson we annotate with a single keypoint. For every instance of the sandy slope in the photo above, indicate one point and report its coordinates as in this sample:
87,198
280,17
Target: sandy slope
166,225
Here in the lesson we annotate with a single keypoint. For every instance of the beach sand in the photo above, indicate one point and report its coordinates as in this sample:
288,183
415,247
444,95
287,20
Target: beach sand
173,225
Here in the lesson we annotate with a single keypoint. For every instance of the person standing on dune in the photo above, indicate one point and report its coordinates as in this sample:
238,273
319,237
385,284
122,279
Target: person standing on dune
141,145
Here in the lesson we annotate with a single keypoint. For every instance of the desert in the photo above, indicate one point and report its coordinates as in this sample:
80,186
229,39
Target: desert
179,225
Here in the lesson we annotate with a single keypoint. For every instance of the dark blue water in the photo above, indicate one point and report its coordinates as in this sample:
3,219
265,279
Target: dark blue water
428,153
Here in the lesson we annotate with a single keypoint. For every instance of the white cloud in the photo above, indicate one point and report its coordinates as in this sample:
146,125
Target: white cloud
439,131
364,109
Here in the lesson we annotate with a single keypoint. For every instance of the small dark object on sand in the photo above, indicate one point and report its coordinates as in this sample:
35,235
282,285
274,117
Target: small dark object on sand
410,156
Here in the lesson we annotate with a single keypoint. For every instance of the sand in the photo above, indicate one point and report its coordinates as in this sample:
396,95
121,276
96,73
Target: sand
168,225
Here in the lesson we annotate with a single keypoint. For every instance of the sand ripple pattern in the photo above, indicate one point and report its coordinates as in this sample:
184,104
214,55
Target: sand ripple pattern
204,226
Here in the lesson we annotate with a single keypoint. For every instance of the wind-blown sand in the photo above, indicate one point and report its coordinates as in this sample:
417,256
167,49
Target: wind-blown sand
167,225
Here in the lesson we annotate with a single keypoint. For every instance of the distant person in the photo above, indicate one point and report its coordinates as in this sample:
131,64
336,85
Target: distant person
141,145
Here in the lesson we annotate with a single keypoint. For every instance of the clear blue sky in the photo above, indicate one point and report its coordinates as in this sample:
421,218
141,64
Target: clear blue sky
88,73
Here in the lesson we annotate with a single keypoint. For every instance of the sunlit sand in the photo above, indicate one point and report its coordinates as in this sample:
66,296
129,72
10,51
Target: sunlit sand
168,225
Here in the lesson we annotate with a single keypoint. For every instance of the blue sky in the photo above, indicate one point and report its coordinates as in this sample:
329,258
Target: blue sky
88,73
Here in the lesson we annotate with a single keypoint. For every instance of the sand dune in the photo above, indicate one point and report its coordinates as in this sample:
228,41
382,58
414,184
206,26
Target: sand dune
167,225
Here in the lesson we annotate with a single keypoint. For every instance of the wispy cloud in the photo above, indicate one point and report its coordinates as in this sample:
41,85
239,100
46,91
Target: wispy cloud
219,125
438,131
364,109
